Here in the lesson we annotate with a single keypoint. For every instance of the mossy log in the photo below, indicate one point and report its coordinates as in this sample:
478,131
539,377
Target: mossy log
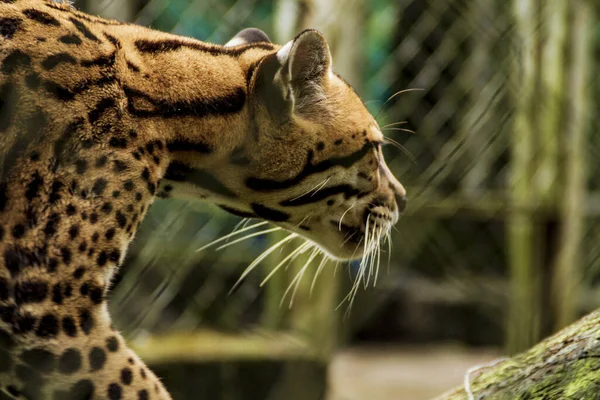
564,366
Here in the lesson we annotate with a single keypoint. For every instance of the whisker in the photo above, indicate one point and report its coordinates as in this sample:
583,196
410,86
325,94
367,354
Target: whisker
314,188
221,247
399,130
401,148
378,259
394,124
232,234
399,92
319,268
297,279
261,257
290,257
306,218
320,187
344,214
388,236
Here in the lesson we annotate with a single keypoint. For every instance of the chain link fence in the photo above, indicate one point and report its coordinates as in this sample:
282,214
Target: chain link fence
500,243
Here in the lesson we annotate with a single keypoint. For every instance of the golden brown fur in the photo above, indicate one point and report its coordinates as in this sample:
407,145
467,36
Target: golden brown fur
97,118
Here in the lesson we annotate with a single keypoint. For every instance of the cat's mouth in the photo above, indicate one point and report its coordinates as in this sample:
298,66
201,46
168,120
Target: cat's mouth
350,234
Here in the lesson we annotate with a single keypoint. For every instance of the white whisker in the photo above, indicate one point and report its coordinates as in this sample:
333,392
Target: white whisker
319,268
221,247
290,257
394,124
316,189
231,234
344,214
378,258
297,279
261,257
399,130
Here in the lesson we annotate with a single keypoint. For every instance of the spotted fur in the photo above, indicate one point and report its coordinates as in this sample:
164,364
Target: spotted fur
99,117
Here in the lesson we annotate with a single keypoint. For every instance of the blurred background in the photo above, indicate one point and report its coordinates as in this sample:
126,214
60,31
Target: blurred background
499,247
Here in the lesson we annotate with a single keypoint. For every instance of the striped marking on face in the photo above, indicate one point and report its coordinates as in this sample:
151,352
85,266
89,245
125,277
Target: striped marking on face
265,185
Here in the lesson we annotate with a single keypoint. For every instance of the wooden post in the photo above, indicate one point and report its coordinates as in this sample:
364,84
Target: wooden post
567,274
523,325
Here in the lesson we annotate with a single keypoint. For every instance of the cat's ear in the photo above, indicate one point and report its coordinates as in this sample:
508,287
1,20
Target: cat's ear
248,35
293,79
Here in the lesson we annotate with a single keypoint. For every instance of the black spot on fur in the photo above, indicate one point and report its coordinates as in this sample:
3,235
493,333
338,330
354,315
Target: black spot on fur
144,106
99,186
23,323
86,321
114,391
33,80
52,265
102,259
31,292
100,108
96,295
121,219
57,295
39,359
73,232
143,395
101,161
9,26
126,376
112,344
48,326
70,39
17,258
113,40
110,233
8,105
132,67
69,327
114,256
119,166
84,30
66,255
18,231
97,358
33,187
55,60
69,361
70,210
52,224
41,17
55,192
14,61
79,273
102,61
119,143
